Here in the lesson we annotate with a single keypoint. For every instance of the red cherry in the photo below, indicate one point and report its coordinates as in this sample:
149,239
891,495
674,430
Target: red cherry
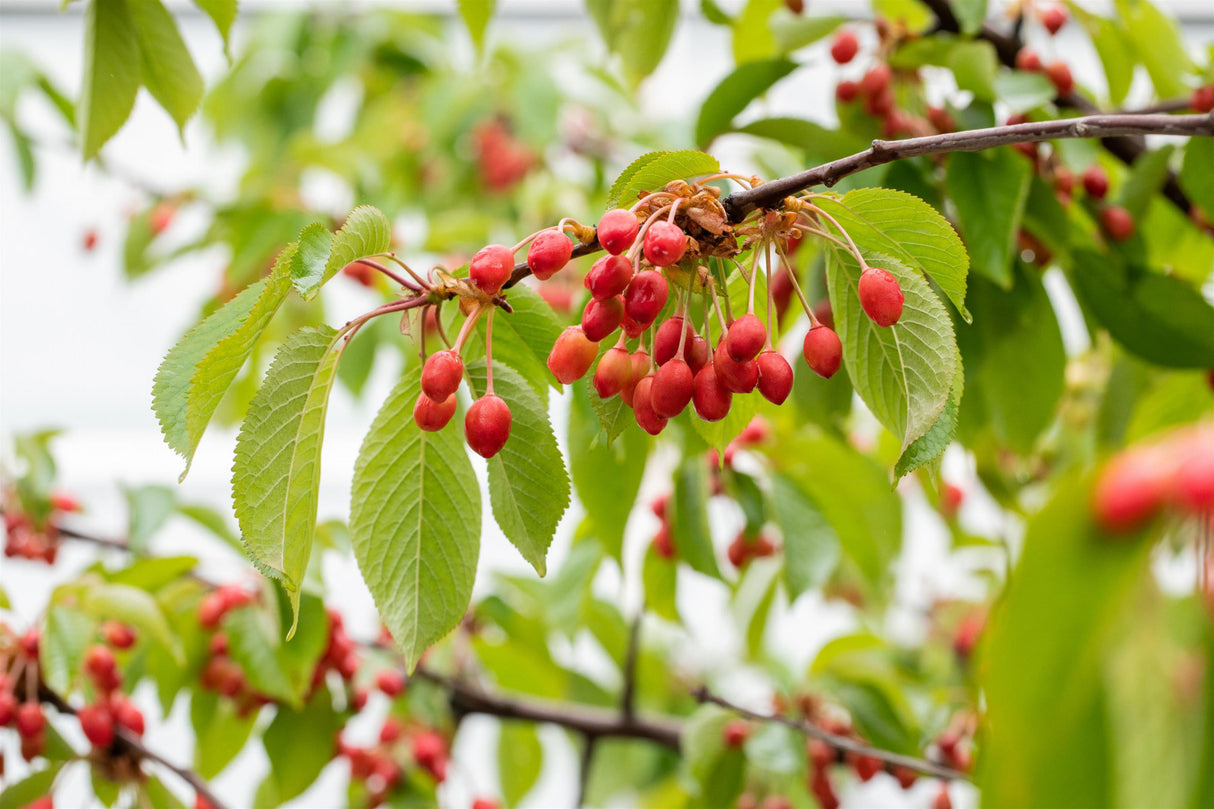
491,267
645,296
641,362
30,720
823,351
433,416
695,351
359,272
161,217
1096,181
29,642
865,766
881,103
391,682
602,317
60,501
711,400
672,388
211,610
821,754
614,372
880,296
745,338
1117,222
775,377
391,731
1028,60
487,425
845,47
201,802
666,339
951,497
739,377
8,708
97,724
219,644
608,277
846,91
739,550
942,799
665,244
1131,489
128,716
428,748
663,542
118,635
1203,99
485,803
442,374
1060,75
905,775
99,661
632,329
1053,17
876,79
820,786
572,355
642,406
1194,487
735,733
359,700
549,252
90,239
618,230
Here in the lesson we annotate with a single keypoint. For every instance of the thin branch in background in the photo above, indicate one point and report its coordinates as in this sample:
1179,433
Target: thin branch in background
584,765
628,695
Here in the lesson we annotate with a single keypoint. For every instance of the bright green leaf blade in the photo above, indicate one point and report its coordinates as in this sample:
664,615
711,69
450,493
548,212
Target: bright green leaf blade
148,507
66,633
121,602
299,744
34,786
975,66
637,31
806,136
520,756
689,517
367,232
276,473
753,37
222,13
219,732
904,372
1157,41
253,643
718,771
1022,91
971,14
811,546
734,93
795,31
990,189
652,171
168,71
111,73
1197,173
476,15
522,340
415,523
660,580
614,416
932,444
528,484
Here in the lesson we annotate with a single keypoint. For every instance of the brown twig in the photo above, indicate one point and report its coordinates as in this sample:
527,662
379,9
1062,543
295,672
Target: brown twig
628,693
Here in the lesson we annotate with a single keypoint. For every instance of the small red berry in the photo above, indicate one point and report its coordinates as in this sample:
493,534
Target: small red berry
29,642
663,542
8,708
1117,222
219,644
391,731
128,716
876,79
442,374
572,355
391,682
844,47
90,239
549,252
1194,486
118,635
951,497
905,776
745,338
695,351
200,802
614,372
30,720
428,747
735,733
433,416
487,425
775,377
846,91
1203,99
1060,75
823,351
942,799
665,244
941,119
666,339
60,501
97,724
1096,181
865,766
602,317
485,803
161,217
618,230
1053,17
645,296
880,103
712,401
642,406
211,610
608,277
1131,489
1028,60
739,377
359,272
359,700
99,661
641,363
880,296
672,388
491,267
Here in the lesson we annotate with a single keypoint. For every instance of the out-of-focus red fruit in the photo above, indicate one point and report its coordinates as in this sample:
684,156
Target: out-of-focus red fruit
608,277
491,267
359,272
881,103
905,776
128,716
428,747
942,799
844,47
8,708
211,610
30,720
161,217
846,91
90,240
572,355
602,317
118,634
1060,76
97,724
1053,17
966,636
735,733
951,497
549,252
1194,487
663,542
558,296
390,681
775,377
617,230
99,661
865,767
1203,99
821,754
880,296
823,351
1096,181
666,339
665,243
485,803
820,786
359,699
61,501
433,416
1117,222
1028,60
876,79
487,425
29,642
442,374
391,731
940,118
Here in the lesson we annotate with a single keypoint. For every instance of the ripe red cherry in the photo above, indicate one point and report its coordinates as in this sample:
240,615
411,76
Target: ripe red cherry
118,635
845,47
391,682
428,748
739,377
823,351
618,230
711,400
665,244
745,338
491,267
1203,99
549,252
846,91
696,353
1053,17
645,296
613,373
1096,181
1194,486
608,277
905,776
433,416
99,661
881,103
1028,60
876,79
942,799
632,329
739,552
1117,222
8,708
775,377
1060,75
672,388
601,317
735,733
97,724
642,406
359,272
666,339
880,296
572,355
641,362
487,425
128,716
1131,490
865,766
441,374
30,721
663,542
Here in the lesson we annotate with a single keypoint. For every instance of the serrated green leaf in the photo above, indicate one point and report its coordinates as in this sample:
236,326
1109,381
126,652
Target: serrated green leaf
130,605
223,14
367,232
734,93
903,372
795,31
652,171
299,744
614,416
66,633
910,230
1197,173
168,71
34,786
689,517
520,756
522,340
415,523
528,484
111,73
276,473
476,15
148,507
220,733
811,546
989,189
932,444
253,643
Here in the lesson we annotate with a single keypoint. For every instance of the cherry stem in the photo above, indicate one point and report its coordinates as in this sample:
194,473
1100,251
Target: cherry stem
792,276
754,277
351,328
650,198
392,257
771,318
466,329
716,303
375,265
855,250
674,209
489,353
438,325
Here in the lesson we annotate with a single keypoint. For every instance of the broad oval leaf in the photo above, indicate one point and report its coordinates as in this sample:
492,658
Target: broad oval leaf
652,171
367,232
415,523
811,546
990,189
734,94
168,71
111,73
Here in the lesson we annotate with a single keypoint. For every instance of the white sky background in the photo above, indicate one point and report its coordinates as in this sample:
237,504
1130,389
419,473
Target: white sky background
79,347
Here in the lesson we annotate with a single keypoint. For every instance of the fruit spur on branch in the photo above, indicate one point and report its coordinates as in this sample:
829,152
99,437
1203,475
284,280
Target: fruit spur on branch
659,294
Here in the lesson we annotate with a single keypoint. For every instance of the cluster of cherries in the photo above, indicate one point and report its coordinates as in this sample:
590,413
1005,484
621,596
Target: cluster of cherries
501,159
111,709
377,766
29,538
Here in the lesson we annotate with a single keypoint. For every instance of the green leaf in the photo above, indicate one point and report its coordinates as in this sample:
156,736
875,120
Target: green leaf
975,66
753,37
520,757
522,340
253,643
660,580
752,602
220,733
1113,46
903,372
989,189
907,228
1022,91
637,31
689,517
811,546
34,786
1145,179
158,794
130,605
971,14
367,232
415,523
148,507
168,71
153,573
652,171
795,31
807,136
25,155
476,15
734,93
719,771
300,743
222,13
931,445
1157,317
615,417
1157,41
66,634
1197,173
607,476
528,484
111,73
276,474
